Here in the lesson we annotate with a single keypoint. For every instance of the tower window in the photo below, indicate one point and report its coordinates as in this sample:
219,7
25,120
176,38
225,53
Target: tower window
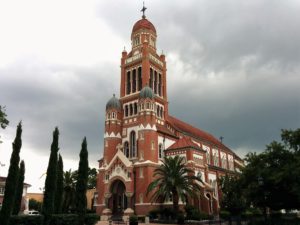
135,108
159,85
155,82
139,78
134,80
126,110
151,79
132,144
128,87
136,40
130,110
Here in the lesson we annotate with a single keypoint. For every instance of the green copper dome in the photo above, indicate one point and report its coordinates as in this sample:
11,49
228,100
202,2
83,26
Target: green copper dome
147,92
113,103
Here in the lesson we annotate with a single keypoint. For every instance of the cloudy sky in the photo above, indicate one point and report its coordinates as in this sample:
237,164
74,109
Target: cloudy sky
233,70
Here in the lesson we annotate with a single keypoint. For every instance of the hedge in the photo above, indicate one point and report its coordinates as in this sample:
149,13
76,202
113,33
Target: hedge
56,219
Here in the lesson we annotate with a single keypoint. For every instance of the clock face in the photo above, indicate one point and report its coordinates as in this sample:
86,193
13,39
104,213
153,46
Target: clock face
136,52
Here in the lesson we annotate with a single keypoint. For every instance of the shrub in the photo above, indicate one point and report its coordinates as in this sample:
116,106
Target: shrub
153,214
168,213
26,220
91,219
141,219
225,214
64,219
133,220
192,213
180,218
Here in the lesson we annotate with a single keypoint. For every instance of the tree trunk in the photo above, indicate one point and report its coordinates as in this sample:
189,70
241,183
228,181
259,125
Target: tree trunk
175,201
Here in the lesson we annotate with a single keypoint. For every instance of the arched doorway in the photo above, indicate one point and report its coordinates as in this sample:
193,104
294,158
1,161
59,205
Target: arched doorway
119,200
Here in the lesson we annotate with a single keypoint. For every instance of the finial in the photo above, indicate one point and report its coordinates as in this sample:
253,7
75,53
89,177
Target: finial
221,139
143,10
124,49
114,95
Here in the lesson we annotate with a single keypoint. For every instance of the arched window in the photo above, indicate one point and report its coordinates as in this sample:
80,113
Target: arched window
139,78
159,84
126,110
155,82
126,149
132,144
208,156
160,151
151,79
157,111
134,81
135,108
130,109
128,88
161,112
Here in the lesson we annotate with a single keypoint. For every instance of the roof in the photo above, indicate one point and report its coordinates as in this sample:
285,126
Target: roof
184,142
146,92
113,103
197,133
143,24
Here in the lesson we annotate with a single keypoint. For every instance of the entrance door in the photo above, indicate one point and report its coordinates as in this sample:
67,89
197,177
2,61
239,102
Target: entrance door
119,200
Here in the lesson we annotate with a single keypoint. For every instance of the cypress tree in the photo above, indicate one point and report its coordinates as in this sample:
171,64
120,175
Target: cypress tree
59,186
81,185
50,182
19,189
12,178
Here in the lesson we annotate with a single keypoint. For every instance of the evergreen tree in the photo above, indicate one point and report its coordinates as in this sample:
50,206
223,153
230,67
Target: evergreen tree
19,189
59,186
81,185
50,183
12,178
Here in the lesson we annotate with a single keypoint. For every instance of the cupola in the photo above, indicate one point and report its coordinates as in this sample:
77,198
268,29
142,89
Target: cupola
146,92
113,103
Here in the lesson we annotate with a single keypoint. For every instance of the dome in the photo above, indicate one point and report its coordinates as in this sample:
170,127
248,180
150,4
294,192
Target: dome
113,103
143,24
146,92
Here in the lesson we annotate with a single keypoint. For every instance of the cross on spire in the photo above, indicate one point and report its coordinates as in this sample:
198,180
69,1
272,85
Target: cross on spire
143,10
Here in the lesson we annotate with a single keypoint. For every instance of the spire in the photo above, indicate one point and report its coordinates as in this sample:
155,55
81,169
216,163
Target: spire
143,10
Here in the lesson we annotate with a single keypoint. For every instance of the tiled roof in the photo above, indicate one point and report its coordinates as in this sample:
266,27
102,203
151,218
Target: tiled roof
183,143
197,133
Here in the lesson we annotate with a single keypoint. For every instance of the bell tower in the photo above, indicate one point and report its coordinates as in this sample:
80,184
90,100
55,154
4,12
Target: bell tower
142,66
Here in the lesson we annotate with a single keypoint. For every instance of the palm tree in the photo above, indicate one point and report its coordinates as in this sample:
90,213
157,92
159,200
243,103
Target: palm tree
69,190
173,179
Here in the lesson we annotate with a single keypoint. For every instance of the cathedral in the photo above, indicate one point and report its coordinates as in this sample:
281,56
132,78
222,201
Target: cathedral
140,132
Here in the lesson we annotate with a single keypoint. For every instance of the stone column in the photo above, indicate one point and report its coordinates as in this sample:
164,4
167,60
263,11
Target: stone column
106,212
129,211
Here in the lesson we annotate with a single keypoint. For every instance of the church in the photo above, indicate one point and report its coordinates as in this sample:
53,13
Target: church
140,132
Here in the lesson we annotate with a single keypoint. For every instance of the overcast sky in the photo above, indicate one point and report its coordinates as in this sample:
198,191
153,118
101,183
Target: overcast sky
233,71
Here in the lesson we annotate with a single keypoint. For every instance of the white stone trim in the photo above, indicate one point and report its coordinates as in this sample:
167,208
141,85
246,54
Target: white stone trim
112,135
